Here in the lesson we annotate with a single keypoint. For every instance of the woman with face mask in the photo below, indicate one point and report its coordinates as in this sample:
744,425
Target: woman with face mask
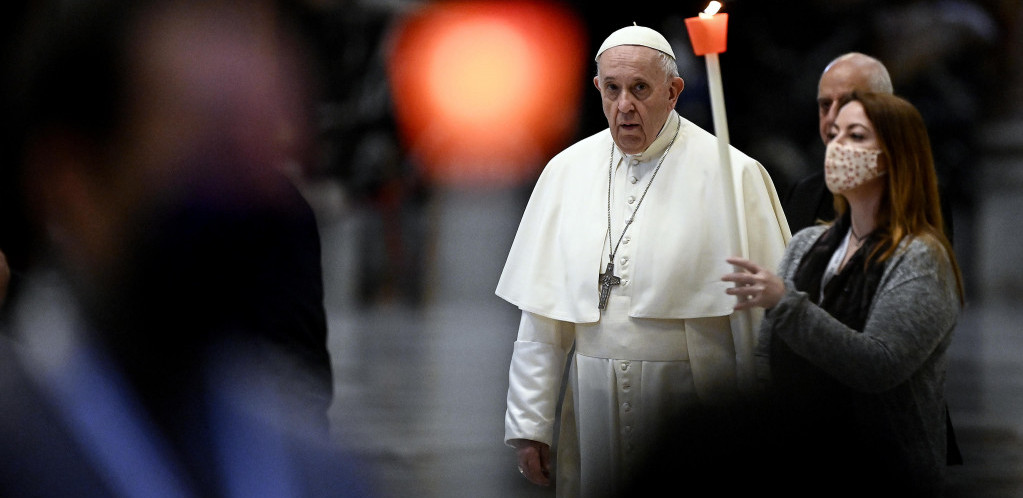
853,345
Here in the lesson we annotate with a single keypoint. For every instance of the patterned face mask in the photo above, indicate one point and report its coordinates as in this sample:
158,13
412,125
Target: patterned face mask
847,167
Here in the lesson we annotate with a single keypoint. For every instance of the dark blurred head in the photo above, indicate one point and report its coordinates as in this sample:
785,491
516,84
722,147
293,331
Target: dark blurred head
148,163
122,112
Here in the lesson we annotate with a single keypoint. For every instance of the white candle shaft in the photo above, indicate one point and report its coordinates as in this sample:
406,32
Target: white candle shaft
717,106
742,320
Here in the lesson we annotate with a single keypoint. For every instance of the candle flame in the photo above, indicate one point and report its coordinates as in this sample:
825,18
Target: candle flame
712,8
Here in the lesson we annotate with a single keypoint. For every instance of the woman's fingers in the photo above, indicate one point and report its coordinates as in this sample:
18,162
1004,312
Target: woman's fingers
751,285
744,264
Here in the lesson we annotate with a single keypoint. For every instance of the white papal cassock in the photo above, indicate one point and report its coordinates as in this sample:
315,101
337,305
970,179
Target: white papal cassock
669,336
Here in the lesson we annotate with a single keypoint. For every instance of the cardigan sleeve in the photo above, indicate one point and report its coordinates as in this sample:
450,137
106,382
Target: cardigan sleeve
912,313
798,245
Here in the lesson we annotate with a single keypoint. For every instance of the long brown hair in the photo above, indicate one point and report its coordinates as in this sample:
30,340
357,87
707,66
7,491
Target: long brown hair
910,206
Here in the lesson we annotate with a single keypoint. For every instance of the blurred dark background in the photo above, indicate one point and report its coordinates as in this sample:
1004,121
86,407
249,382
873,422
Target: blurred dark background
421,345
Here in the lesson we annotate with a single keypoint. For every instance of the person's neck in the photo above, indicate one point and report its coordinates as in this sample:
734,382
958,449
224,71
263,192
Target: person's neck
864,202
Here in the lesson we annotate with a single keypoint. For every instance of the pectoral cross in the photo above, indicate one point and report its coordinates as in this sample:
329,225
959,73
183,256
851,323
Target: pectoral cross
607,280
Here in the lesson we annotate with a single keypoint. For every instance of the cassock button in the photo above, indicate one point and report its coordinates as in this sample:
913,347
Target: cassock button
626,239
625,283
625,366
626,406
634,162
631,199
633,179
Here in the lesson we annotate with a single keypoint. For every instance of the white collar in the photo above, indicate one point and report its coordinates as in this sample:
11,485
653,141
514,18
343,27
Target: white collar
658,146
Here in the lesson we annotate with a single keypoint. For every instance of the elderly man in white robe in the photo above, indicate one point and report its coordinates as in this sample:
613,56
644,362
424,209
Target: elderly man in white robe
619,255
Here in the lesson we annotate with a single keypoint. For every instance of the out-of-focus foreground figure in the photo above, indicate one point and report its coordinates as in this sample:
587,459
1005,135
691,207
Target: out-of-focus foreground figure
168,337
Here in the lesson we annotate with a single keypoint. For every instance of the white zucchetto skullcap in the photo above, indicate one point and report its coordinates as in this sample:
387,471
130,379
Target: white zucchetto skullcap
636,35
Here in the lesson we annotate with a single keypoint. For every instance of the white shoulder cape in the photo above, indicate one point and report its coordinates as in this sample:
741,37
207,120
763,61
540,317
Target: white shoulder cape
683,230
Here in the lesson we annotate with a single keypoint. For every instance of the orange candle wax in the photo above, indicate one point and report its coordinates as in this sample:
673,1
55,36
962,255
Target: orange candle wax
708,33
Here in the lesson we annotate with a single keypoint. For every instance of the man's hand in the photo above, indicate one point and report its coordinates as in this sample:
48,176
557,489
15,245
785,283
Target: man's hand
534,461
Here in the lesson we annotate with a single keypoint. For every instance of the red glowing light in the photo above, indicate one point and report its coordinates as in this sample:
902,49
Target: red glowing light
486,91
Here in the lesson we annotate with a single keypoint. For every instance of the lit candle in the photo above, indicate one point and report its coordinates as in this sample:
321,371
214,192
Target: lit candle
708,33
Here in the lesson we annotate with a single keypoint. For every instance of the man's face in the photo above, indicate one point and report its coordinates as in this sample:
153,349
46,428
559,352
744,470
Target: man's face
636,93
837,83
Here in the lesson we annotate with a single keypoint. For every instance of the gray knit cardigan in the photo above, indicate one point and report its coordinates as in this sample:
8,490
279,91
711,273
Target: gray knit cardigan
900,356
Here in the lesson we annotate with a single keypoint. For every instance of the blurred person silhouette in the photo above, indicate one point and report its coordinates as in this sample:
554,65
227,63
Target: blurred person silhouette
616,256
168,337
859,320
361,150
